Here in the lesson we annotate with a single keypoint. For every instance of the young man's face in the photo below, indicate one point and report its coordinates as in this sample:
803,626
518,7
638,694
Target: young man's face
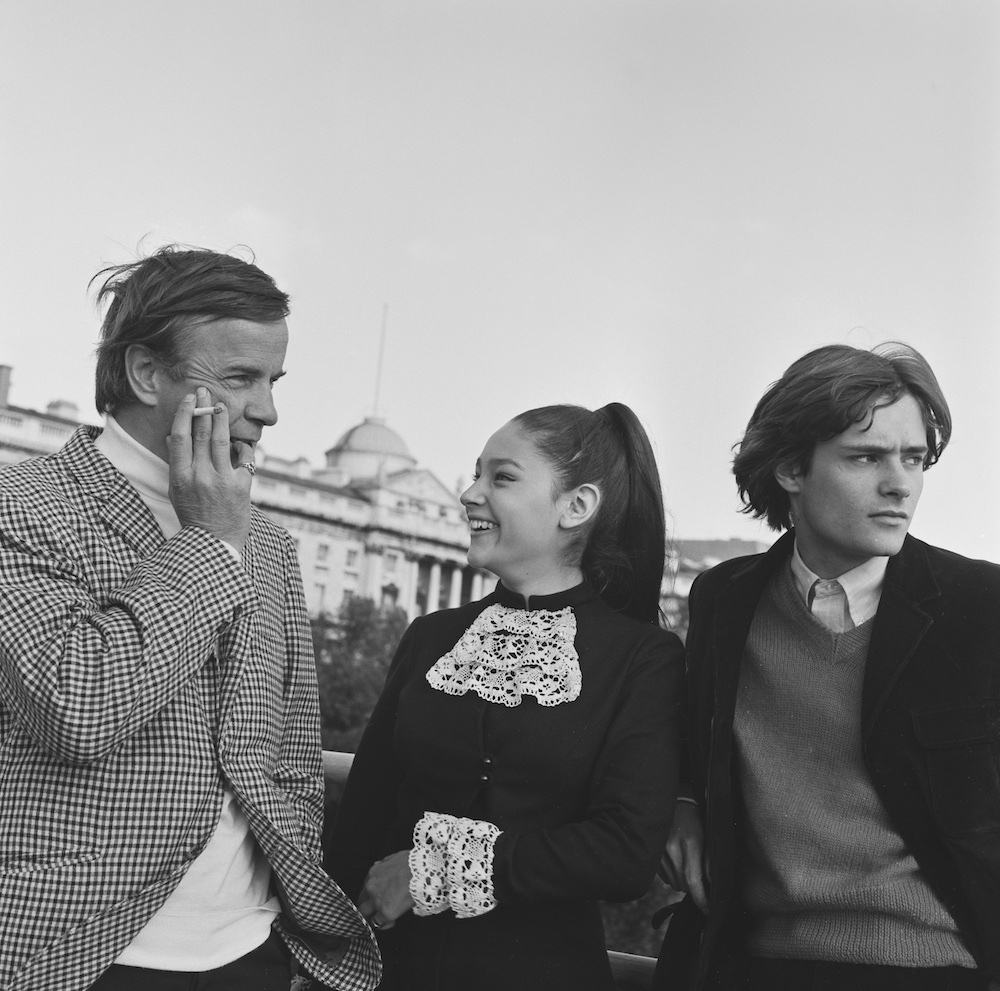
858,497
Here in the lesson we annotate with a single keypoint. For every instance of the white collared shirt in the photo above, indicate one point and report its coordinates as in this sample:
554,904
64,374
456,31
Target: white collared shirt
862,585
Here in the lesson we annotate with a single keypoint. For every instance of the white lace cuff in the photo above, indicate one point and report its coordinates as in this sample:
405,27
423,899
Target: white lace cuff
451,865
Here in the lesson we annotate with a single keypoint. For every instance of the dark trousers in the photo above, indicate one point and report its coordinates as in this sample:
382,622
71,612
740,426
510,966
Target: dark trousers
824,975
268,968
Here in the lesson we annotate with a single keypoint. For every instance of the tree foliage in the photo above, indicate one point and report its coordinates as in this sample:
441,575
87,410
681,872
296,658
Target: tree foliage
353,651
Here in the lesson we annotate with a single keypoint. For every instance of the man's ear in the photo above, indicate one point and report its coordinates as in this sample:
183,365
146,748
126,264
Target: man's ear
789,478
581,504
144,373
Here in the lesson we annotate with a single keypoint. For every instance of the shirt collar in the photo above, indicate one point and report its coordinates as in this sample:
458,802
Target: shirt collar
862,585
574,596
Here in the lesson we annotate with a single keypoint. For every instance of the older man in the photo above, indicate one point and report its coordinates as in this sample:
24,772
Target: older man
160,781
845,708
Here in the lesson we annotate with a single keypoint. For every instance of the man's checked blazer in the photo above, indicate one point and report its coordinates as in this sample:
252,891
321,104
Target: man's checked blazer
139,677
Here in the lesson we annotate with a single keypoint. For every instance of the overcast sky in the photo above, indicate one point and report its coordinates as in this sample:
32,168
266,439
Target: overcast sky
662,203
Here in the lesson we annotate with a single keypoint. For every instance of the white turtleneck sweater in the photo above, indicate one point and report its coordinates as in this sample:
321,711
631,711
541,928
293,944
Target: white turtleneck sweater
223,907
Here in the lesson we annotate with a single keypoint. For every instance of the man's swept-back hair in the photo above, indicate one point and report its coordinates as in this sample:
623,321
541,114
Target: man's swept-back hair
622,548
151,299
820,396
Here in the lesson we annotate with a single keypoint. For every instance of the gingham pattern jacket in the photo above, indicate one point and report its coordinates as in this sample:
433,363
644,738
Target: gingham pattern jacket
139,677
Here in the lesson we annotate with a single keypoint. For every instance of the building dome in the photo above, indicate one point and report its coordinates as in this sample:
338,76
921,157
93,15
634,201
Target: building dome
369,450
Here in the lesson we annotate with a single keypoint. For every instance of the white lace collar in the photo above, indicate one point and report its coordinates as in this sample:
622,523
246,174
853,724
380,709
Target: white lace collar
508,653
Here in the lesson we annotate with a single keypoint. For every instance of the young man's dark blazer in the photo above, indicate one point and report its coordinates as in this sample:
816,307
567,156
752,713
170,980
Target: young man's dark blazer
931,741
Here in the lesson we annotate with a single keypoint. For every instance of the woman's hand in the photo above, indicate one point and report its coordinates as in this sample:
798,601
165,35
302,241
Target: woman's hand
385,895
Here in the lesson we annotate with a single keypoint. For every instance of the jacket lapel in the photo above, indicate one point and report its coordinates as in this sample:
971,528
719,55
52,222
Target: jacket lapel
735,606
113,499
900,624
732,615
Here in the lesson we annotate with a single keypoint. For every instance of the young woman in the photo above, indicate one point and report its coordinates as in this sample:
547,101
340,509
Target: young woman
521,763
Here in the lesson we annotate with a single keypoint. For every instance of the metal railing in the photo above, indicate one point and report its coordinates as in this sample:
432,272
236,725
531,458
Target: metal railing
631,972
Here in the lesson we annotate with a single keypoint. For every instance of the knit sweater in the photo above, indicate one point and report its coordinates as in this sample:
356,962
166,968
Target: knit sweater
826,876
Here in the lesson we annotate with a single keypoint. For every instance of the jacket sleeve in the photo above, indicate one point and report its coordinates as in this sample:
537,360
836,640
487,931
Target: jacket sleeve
358,836
299,771
90,651
612,850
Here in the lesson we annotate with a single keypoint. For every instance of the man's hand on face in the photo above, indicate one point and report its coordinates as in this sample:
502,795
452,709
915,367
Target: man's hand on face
205,489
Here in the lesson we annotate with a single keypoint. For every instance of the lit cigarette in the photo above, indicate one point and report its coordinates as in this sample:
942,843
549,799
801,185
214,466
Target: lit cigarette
205,410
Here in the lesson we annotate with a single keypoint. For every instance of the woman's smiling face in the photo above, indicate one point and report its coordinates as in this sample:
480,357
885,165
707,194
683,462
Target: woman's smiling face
515,509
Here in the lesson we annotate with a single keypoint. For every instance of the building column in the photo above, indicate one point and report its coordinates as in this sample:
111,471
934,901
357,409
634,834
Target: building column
409,602
434,588
455,592
477,586
373,575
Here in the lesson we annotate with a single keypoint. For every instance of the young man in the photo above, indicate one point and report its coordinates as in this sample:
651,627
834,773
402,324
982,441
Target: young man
843,831
160,783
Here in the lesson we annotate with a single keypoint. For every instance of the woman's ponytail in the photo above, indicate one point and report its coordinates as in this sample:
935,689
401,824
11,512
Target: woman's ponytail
624,545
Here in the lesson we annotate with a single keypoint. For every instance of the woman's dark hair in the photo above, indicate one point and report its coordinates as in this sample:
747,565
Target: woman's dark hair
820,396
624,543
155,297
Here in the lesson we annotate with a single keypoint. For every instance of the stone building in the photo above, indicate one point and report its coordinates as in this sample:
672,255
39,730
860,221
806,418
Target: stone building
25,433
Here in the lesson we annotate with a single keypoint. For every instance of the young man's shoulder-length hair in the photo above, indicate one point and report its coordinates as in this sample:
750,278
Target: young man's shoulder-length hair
820,396
151,299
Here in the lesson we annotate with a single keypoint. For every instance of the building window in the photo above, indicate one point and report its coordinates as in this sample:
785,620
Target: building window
320,591
346,598
322,552
391,560
352,557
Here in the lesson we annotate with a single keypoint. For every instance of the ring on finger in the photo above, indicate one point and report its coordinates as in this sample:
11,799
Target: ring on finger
250,467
